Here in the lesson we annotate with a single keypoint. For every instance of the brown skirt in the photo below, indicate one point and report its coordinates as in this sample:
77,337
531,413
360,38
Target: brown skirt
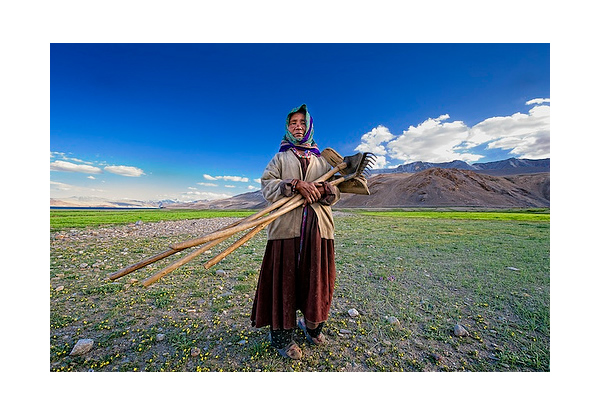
295,276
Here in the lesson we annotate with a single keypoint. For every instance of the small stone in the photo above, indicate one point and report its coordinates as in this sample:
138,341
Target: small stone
160,337
82,346
242,342
195,351
343,331
513,269
353,313
220,272
460,331
59,288
394,321
83,265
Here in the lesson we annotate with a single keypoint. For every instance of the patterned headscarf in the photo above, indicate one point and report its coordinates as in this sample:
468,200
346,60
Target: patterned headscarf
304,146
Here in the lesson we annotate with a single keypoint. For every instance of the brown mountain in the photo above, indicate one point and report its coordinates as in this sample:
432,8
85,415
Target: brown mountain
453,187
435,187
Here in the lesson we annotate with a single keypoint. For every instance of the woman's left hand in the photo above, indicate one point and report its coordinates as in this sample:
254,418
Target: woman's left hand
310,191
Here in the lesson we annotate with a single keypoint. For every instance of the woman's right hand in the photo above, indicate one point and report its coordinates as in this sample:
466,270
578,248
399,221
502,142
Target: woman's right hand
309,191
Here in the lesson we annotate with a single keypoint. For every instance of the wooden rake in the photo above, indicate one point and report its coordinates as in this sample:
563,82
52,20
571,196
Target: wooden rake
350,167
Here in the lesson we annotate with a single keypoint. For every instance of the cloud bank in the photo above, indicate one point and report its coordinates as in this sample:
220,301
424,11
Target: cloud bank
442,140
124,170
64,166
226,178
61,165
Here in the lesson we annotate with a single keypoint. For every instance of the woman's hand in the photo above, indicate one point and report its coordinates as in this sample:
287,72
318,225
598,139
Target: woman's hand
311,191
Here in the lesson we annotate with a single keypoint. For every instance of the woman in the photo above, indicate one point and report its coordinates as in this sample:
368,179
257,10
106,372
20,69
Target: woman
298,268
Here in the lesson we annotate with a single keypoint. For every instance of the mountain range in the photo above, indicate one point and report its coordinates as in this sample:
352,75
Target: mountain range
506,183
511,166
502,184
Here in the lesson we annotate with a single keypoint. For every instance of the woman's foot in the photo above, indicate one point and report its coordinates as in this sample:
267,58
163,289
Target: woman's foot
314,336
291,351
284,342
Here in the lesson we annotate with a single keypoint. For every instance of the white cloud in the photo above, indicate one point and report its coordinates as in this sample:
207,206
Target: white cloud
235,178
524,135
88,168
91,177
60,186
124,170
226,178
63,166
207,184
442,140
538,101
59,189
374,139
434,140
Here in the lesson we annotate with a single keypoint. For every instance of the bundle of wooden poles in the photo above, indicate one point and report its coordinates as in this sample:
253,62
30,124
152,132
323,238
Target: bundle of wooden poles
351,171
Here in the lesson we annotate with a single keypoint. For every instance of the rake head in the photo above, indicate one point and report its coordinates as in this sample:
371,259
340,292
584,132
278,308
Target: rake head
357,185
358,164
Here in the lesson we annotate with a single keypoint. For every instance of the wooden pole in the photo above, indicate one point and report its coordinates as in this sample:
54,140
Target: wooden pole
234,246
155,277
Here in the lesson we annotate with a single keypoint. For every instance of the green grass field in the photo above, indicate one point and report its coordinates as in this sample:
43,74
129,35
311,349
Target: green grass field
62,219
488,271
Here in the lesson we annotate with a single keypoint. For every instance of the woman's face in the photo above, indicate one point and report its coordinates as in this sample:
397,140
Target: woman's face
297,125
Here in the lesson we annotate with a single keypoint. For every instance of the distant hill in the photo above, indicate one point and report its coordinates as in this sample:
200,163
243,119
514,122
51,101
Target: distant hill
440,187
251,200
103,202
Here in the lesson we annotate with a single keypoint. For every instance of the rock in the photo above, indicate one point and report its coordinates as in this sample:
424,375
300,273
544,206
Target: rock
394,321
460,331
160,337
195,351
59,288
343,331
139,223
83,265
82,346
242,342
513,269
220,273
353,313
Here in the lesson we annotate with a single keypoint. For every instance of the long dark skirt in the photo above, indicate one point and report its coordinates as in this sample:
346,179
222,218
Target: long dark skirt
295,277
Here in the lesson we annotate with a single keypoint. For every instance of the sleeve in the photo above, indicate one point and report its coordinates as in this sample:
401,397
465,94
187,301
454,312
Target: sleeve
272,185
330,194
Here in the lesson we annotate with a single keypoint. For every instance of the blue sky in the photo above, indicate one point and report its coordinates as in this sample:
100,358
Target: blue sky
200,121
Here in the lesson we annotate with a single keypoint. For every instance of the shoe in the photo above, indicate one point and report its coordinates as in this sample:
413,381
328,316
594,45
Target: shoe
291,351
318,340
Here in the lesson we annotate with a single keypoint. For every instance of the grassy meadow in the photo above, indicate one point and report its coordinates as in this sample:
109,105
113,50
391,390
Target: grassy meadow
411,275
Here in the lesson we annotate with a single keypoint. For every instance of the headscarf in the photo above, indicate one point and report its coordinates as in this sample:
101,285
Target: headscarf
305,146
